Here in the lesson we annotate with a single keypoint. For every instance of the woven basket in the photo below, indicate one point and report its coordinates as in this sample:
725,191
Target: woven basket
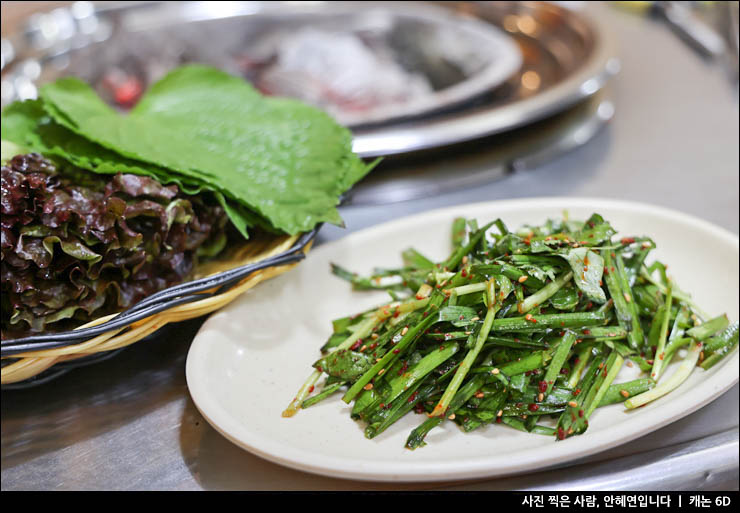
33,360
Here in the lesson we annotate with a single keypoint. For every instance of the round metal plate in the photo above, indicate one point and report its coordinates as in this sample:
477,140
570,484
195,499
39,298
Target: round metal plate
565,58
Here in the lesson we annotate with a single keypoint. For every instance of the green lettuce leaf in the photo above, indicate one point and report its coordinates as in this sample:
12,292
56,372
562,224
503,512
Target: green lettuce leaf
285,160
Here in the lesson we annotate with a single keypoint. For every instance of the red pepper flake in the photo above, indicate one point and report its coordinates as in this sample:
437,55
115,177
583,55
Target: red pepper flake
498,420
404,368
463,273
543,386
356,345
310,389
561,434
576,392
627,240
580,413
586,332
534,407
396,351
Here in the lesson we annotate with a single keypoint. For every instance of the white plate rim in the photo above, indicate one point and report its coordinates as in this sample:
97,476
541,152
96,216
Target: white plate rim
528,460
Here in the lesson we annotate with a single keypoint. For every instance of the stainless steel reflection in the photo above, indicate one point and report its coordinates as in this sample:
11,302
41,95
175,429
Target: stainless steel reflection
486,159
566,58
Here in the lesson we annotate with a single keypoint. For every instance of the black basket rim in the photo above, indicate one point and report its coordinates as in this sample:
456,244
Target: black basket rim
183,293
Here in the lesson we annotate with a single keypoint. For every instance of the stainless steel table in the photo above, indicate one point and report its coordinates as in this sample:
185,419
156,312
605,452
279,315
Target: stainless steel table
129,423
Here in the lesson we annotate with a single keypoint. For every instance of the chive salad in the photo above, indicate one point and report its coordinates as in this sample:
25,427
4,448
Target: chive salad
525,328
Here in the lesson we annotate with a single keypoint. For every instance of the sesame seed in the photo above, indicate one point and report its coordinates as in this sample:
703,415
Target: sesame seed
495,371
451,417
404,330
522,279
573,404
624,393
369,386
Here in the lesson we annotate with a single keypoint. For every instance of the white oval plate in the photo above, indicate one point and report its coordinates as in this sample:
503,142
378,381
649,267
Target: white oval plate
249,359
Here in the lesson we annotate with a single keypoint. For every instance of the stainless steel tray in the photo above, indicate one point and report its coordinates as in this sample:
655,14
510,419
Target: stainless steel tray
476,163
566,57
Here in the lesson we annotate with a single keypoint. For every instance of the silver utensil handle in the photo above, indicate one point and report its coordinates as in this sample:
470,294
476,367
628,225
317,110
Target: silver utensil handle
692,29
